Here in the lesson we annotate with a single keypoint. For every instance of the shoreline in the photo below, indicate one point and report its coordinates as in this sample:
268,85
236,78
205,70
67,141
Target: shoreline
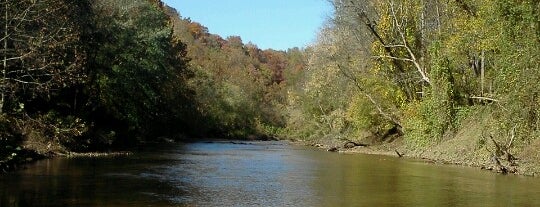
398,149
30,154
13,164
393,149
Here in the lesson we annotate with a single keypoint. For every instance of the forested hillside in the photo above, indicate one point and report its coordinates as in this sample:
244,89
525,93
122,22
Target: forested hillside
240,89
459,74
106,74
81,75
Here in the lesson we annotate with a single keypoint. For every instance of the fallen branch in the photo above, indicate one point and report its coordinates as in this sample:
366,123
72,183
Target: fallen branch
484,98
498,149
351,144
398,154
512,136
502,153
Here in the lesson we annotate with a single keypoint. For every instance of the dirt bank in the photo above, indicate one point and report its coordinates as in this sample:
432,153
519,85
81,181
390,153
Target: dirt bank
457,151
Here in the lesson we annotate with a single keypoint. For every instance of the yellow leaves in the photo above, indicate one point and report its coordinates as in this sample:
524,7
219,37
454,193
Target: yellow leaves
384,23
321,79
360,112
475,32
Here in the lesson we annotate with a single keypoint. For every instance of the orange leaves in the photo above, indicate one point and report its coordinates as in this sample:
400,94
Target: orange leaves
197,30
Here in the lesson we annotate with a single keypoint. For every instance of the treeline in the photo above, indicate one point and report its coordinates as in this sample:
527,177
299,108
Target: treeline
94,75
90,75
107,74
240,89
384,69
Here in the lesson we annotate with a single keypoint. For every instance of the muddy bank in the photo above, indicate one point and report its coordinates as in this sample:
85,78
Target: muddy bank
452,152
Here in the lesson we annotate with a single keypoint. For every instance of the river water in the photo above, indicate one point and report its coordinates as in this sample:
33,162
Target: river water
258,174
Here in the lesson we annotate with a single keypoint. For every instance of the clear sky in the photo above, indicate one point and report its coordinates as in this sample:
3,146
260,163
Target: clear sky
276,24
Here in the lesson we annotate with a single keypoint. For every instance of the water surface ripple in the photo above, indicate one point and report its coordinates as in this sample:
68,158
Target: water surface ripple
258,174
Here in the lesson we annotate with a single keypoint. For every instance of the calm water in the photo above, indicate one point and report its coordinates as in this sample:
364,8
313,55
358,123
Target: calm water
258,174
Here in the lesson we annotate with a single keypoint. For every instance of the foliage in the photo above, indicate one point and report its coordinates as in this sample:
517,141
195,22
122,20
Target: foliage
239,89
40,50
91,75
423,66
136,53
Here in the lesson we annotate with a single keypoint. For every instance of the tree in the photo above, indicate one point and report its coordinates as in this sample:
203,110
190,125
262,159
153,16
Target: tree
40,49
135,61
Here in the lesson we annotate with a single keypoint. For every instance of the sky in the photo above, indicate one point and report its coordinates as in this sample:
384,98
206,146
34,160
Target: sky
275,24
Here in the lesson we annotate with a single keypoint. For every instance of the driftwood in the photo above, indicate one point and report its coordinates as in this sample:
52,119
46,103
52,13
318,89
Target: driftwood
351,144
333,149
398,154
501,159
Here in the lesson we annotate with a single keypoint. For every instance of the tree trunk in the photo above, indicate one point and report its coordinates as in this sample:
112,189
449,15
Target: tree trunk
4,69
482,67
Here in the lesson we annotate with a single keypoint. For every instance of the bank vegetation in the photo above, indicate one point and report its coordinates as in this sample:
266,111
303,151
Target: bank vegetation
448,80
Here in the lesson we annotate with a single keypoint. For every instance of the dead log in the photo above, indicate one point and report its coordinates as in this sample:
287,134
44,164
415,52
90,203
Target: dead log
398,154
501,159
498,151
497,165
333,149
351,144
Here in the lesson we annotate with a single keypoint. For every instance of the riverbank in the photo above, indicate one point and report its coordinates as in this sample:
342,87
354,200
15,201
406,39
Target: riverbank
18,157
31,151
221,173
22,157
451,152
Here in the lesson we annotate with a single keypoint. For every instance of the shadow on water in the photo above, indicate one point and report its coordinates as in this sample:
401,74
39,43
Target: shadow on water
83,182
258,174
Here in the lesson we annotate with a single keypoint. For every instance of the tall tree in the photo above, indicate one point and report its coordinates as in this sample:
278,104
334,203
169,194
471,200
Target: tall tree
40,48
136,59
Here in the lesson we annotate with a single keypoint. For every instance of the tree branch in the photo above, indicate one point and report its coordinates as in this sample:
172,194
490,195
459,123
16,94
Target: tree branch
484,98
394,58
405,44
370,98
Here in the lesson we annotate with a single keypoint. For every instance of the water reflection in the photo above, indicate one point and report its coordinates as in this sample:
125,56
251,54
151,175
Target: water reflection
258,174
383,181
80,182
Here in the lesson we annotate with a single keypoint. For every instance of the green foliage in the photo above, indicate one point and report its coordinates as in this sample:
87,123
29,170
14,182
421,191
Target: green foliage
239,89
139,70
92,75
127,70
424,66
417,134
439,103
364,117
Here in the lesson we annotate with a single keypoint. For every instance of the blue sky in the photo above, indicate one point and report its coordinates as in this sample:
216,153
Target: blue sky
276,24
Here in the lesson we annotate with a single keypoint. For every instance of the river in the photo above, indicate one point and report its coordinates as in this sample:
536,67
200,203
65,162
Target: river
258,174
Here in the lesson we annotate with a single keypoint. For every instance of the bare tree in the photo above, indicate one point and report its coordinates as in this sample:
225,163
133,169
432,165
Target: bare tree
412,26
400,25
39,50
